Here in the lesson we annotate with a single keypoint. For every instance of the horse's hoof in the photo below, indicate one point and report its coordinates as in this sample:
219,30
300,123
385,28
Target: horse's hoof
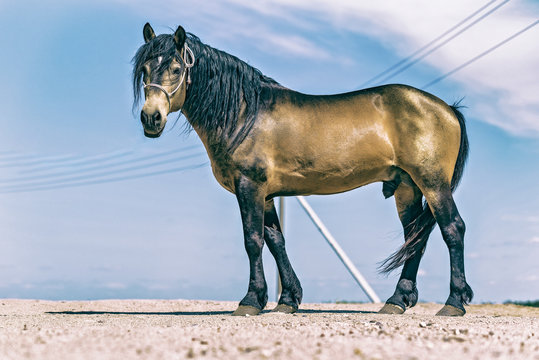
285,309
449,310
391,309
245,310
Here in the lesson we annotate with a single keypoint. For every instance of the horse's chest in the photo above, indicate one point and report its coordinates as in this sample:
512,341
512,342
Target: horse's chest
222,171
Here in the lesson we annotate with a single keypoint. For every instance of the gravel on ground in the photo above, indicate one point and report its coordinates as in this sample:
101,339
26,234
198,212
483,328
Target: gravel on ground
183,329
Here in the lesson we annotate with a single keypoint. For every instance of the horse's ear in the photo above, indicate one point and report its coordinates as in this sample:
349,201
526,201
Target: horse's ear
179,38
148,33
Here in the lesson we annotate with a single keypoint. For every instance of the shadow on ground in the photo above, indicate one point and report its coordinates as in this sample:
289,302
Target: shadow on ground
194,313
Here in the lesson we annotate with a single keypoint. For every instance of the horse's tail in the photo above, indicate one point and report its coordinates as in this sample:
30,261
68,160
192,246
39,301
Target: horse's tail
418,231
464,147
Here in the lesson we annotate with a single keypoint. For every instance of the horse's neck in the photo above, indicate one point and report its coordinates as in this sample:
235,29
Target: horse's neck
217,140
213,142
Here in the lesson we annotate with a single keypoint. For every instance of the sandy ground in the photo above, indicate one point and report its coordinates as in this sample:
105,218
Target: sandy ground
180,329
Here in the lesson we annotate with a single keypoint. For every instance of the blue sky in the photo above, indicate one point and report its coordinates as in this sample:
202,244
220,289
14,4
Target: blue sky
67,120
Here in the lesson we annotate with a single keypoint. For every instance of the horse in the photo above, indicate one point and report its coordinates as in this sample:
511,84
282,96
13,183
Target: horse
265,140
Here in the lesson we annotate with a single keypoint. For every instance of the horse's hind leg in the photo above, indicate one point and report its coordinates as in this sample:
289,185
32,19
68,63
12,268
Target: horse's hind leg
408,201
291,288
452,227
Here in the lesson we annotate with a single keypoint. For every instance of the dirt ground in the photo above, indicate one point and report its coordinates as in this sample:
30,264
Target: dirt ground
180,329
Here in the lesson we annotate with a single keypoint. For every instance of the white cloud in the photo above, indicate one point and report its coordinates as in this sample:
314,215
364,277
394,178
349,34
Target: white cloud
502,87
534,240
297,45
227,21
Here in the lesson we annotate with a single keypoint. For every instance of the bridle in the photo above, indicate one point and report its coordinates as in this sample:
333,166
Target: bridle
187,66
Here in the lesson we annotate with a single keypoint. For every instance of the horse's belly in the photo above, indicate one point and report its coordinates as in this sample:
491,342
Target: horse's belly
330,181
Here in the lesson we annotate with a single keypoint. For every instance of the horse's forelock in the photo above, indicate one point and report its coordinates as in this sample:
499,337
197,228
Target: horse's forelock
163,47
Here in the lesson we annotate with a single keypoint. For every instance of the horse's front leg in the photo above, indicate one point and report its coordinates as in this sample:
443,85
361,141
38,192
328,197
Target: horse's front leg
251,200
291,288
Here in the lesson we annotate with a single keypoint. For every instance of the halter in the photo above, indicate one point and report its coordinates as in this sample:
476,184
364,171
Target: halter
187,66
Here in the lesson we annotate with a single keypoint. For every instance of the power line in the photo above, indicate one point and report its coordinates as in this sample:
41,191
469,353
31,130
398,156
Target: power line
101,181
97,167
79,160
14,160
100,174
480,55
17,156
394,66
45,163
408,62
415,61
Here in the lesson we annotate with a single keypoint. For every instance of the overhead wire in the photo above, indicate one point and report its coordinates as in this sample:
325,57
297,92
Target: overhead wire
486,52
79,160
416,60
410,61
15,159
107,180
98,174
97,167
426,46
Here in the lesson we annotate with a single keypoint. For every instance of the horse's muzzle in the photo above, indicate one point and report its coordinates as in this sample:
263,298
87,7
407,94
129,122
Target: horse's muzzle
153,123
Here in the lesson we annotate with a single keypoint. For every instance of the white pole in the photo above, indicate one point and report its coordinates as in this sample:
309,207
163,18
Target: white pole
339,251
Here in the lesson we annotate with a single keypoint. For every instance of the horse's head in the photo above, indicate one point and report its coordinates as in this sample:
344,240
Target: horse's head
162,68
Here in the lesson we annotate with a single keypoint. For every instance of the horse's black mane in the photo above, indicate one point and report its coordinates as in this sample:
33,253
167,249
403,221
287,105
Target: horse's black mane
219,83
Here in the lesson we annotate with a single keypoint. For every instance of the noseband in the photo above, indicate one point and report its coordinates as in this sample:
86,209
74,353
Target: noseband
187,66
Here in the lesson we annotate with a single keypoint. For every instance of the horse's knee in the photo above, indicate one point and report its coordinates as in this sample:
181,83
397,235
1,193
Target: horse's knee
254,244
460,226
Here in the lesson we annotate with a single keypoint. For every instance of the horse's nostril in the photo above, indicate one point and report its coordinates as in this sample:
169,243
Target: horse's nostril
143,117
151,121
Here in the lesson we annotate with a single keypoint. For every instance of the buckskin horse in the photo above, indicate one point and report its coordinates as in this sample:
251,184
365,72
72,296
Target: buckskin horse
265,140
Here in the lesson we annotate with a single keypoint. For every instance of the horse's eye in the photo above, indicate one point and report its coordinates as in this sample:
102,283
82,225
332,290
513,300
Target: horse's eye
177,71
